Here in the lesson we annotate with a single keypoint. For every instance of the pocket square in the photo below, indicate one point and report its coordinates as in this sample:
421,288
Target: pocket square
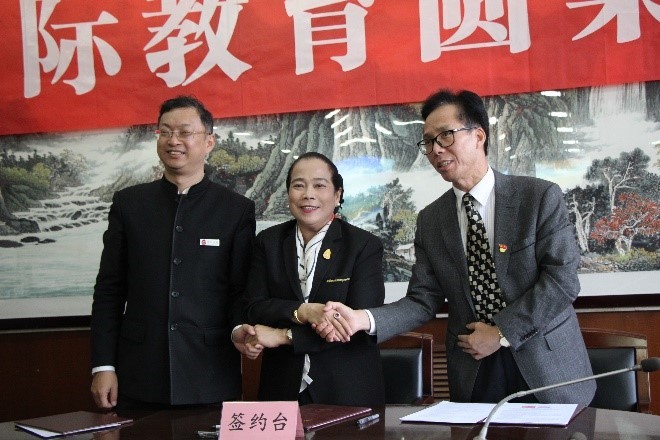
337,280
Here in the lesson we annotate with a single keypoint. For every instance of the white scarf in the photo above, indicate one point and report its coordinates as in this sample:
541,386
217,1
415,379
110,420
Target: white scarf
307,254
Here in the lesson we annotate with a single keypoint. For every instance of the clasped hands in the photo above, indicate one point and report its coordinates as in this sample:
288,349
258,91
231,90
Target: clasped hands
483,340
341,322
333,321
336,322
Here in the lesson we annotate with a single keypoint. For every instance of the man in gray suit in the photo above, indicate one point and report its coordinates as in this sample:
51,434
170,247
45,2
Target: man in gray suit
517,329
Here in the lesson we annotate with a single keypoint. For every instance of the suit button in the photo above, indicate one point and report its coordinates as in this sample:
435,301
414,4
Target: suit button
174,327
177,261
175,294
179,229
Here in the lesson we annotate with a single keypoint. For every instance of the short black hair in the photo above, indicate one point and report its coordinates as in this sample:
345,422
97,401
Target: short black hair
471,108
337,179
182,101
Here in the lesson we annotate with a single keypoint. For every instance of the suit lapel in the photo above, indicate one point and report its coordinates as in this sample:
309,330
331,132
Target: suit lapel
451,235
506,214
291,260
328,254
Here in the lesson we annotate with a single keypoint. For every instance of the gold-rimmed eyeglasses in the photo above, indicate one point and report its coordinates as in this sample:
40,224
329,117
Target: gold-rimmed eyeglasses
183,135
444,139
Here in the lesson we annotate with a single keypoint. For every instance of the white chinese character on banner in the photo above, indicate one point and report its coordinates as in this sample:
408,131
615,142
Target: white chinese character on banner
352,20
178,29
626,13
58,57
517,35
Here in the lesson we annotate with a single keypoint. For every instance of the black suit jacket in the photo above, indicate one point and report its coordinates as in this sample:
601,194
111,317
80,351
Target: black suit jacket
349,270
165,302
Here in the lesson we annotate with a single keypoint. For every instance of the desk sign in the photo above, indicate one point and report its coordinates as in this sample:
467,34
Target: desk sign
261,420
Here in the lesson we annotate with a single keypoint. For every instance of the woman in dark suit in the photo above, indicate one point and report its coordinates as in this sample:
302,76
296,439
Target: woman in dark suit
297,267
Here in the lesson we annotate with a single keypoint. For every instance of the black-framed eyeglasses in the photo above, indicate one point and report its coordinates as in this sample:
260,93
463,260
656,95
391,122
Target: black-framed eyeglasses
444,139
181,135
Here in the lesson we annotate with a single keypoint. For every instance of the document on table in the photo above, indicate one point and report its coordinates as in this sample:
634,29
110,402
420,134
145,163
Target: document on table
509,413
451,412
70,423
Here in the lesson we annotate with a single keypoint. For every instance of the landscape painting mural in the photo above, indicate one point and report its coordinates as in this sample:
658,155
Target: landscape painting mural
600,144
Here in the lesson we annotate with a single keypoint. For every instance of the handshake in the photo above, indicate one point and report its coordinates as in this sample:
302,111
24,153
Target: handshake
333,321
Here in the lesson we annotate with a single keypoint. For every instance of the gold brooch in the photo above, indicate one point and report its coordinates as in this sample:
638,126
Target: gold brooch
338,280
327,254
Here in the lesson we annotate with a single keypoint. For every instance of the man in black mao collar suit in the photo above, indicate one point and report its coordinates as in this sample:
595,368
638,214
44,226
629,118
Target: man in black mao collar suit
510,327
173,268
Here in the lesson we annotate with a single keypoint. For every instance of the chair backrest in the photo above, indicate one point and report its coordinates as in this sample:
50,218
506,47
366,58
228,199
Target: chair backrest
611,350
408,368
440,376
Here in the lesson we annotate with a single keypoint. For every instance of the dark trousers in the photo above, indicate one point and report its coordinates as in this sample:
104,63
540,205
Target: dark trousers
498,377
305,397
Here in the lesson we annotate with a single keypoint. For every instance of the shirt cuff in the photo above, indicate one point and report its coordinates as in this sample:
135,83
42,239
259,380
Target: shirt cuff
233,330
372,323
102,368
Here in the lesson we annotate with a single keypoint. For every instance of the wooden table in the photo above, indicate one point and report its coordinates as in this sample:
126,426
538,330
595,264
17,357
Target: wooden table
597,424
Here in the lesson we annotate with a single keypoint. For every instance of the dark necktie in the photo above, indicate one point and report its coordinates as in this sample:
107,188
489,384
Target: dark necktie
485,290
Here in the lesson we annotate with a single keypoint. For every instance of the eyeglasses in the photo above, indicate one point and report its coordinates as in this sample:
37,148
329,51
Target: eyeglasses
444,139
181,135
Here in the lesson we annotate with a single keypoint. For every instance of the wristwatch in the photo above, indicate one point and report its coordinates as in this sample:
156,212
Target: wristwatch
503,340
289,335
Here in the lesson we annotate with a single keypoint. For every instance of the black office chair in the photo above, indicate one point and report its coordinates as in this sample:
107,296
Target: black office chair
408,368
614,350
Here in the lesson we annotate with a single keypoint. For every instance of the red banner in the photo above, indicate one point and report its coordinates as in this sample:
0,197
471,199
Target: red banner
80,64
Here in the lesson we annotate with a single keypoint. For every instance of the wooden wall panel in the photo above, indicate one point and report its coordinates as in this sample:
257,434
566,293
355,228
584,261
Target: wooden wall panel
44,372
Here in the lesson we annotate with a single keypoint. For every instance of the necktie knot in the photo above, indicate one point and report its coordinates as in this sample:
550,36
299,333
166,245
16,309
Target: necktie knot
472,214
468,203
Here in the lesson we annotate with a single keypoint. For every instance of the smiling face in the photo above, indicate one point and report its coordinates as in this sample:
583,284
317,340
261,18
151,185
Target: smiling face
312,196
184,158
464,162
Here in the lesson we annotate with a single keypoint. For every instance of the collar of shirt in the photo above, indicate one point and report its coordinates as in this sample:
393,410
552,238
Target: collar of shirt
195,188
484,194
307,255
481,191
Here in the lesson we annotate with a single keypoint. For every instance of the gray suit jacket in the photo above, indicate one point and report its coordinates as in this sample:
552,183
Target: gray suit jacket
537,272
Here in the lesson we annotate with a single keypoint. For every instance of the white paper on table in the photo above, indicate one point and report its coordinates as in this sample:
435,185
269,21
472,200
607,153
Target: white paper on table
509,413
535,413
451,412
50,434
40,432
